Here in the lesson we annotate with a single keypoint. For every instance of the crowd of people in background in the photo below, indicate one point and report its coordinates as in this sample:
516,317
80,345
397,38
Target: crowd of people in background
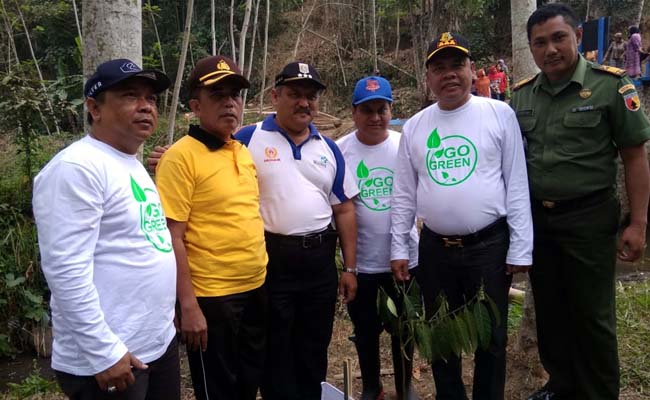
628,55
494,84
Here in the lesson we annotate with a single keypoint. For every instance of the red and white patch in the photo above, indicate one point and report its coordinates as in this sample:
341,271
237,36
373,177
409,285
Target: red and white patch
632,101
372,85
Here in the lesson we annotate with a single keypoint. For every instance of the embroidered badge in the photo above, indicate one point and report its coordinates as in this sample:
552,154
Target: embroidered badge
223,66
585,93
625,88
632,101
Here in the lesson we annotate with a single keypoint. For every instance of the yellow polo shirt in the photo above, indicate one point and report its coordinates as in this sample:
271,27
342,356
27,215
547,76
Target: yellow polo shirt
212,186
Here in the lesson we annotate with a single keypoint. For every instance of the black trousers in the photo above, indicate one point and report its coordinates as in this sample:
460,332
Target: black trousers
302,287
162,380
368,327
573,281
232,365
458,272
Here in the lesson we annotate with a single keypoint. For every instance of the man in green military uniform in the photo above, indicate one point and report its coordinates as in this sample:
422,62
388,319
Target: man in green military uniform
576,118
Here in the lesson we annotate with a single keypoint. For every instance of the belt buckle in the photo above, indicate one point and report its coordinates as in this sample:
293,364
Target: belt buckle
311,241
453,242
548,204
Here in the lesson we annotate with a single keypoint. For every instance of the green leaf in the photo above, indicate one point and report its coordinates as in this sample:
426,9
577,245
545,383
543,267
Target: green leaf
391,306
138,193
362,170
483,324
445,175
434,139
424,339
470,322
34,298
375,201
438,153
368,183
12,281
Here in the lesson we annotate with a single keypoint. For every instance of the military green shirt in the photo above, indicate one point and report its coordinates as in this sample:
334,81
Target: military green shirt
573,130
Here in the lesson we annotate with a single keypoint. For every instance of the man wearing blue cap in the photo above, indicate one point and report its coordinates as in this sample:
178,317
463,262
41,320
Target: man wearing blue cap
461,168
371,151
105,248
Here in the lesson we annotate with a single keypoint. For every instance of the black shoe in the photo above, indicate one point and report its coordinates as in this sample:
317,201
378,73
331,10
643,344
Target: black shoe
543,394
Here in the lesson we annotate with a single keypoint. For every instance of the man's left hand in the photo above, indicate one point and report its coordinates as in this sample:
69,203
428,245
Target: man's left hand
515,269
347,286
631,243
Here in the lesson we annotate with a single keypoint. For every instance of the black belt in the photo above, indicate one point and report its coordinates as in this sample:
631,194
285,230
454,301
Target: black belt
471,238
579,202
310,241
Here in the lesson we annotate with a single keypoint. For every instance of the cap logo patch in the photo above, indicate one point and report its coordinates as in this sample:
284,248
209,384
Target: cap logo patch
223,66
446,40
129,67
303,68
372,85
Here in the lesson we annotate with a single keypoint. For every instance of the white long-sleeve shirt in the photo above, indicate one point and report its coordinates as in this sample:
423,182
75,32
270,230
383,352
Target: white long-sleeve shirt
106,254
460,171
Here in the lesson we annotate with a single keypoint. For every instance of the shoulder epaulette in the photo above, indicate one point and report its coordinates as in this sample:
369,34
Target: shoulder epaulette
523,82
611,70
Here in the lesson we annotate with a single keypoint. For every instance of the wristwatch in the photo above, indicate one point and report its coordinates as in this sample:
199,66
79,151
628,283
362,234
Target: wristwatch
352,270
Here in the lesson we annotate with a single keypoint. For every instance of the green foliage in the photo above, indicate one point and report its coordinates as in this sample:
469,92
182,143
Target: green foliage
32,385
446,332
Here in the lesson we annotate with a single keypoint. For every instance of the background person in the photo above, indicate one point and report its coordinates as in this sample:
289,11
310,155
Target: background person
371,150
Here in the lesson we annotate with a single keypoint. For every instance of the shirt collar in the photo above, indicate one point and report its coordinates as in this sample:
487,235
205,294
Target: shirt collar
578,75
212,142
270,124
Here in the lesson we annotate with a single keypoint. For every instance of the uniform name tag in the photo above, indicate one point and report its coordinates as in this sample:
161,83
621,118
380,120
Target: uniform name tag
582,109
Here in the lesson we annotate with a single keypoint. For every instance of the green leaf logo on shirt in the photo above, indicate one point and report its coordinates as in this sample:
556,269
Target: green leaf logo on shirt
450,160
376,186
152,219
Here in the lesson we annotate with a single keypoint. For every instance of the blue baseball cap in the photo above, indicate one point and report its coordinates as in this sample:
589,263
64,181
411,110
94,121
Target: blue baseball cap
372,88
113,72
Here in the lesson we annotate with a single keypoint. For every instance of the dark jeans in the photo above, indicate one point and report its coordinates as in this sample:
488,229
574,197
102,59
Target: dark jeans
232,365
458,272
162,380
302,286
573,281
368,327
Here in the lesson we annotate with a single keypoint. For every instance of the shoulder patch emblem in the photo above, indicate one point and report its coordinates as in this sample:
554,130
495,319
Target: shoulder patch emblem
632,101
608,69
627,87
523,82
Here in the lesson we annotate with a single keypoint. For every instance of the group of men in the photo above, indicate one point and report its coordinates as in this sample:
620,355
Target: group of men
237,239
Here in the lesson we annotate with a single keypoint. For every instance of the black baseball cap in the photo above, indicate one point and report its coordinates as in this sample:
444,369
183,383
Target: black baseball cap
448,40
216,69
112,72
297,71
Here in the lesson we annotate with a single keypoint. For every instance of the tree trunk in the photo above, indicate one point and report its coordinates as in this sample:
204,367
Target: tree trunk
10,36
38,70
250,57
397,33
76,19
212,29
374,38
241,60
639,13
232,31
523,64
160,52
523,67
266,47
179,74
111,29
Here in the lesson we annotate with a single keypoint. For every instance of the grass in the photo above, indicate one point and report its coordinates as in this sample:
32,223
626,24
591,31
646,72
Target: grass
633,312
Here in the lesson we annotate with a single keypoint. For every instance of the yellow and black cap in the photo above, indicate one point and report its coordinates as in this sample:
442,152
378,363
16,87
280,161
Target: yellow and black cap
214,70
448,40
297,71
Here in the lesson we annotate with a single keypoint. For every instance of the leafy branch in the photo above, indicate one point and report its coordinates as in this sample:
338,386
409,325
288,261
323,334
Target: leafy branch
447,332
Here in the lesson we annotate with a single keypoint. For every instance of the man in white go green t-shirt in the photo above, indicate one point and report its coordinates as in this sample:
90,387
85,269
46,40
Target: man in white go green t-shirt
461,168
371,151
105,249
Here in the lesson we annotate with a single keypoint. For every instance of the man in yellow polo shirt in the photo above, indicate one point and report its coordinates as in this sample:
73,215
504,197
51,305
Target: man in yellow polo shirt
208,187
